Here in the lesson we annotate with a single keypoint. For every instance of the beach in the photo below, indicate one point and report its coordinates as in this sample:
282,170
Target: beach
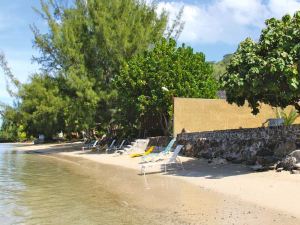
202,193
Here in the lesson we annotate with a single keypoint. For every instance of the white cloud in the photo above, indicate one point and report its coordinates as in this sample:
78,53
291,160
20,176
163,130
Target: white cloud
281,7
226,21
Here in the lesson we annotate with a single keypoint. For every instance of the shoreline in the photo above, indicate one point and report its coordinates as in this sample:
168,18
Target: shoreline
269,194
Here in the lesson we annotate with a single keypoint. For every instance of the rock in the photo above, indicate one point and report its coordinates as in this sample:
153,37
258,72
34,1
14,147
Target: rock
289,162
295,172
265,152
219,161
279,169
256,167
297,166
296,154
260,168
284,148
251,145
266,160
272,167
206,155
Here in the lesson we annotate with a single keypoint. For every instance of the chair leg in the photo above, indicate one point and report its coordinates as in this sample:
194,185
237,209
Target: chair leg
180,162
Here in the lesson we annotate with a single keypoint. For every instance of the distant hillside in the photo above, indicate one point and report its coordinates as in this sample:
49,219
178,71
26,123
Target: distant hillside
220,67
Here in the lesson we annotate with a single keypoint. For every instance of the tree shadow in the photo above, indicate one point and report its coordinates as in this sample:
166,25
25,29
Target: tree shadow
201,168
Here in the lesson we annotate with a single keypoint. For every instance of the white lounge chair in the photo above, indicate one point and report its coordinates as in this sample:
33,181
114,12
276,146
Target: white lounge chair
111,147
91,145
115,149
174,159
153,157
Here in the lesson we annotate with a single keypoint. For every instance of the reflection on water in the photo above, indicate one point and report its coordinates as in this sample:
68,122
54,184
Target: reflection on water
40,190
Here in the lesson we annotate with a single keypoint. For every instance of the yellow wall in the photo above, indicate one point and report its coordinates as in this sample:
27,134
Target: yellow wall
196,114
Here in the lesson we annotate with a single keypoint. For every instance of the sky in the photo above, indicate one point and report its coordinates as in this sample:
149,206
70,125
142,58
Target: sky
214,27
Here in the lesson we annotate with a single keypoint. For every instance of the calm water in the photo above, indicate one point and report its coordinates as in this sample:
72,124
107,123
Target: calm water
40,190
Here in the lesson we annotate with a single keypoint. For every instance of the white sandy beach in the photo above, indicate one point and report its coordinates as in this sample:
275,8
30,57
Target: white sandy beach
270,193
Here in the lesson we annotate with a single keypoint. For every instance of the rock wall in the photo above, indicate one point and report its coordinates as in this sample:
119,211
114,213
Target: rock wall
263,145
160,141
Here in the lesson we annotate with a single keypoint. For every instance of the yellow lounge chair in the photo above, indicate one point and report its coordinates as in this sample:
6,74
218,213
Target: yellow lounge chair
150,149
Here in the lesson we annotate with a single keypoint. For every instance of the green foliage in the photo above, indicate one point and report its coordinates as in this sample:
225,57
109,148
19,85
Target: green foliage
10,124
8,75
82,53
85,48
219,68
42,108
148,82
289,118
267,71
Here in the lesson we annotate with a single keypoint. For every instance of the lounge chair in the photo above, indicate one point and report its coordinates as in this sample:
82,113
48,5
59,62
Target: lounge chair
149,150
90,145
111,146
121,145
173,159
137,145
157,156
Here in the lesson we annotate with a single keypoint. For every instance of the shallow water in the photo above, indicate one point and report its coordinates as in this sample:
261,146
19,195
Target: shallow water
41,190
46,189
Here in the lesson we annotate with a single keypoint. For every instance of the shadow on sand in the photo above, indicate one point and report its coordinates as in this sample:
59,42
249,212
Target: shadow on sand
192,167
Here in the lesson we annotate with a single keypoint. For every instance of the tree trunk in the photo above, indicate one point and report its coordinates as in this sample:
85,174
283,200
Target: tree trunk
164,123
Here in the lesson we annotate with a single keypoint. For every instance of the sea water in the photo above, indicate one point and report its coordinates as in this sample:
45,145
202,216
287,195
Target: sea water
43,190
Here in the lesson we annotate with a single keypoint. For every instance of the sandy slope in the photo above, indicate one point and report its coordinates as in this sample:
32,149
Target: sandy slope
268,197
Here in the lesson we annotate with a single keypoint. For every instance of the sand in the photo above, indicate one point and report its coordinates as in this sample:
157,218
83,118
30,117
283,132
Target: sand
202,193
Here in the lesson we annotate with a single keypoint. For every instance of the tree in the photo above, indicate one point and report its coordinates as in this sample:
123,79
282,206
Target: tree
11,129
86,45
267,71
148,82
42,108
9,76
219,68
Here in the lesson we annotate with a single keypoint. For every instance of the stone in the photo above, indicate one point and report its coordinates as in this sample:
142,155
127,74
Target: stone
218,161
250,145
296,154
284,148
288,163
256,167
297,165
295,172
266,160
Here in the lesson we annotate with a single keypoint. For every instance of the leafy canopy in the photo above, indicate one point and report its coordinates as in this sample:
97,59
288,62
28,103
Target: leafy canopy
267,71
85,47
42,108
148,82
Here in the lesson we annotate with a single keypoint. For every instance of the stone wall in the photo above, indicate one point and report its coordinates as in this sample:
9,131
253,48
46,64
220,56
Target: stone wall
160,142
263,145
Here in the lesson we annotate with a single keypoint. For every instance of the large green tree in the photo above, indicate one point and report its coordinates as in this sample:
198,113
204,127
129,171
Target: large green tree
267,71
42,108
148,82
86,45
